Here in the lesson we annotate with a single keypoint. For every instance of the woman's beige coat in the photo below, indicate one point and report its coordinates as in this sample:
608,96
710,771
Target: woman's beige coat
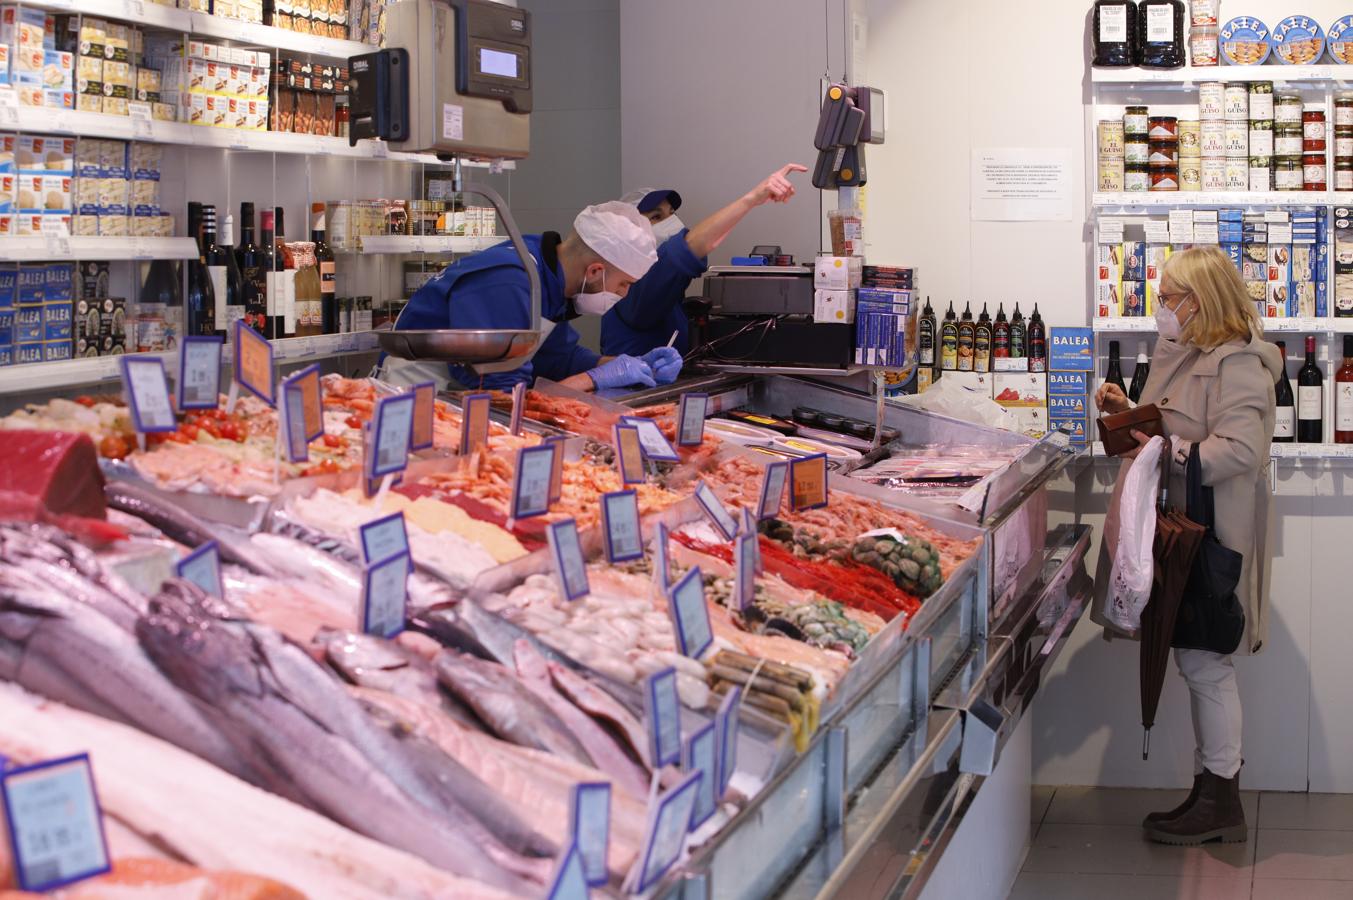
1222,399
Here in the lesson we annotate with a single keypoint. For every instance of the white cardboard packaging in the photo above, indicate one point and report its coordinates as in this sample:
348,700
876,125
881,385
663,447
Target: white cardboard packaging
837,273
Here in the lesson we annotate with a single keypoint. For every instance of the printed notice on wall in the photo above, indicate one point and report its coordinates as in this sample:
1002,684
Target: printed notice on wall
1016,184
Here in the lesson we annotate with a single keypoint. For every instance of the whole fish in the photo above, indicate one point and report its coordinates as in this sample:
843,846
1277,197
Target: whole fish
510,710
602,705
178,525
72,569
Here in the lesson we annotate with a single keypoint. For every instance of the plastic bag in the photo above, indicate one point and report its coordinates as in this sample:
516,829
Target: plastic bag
1133,562
947,397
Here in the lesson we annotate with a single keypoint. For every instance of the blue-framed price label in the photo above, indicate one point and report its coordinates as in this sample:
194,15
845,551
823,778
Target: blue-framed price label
651,439
808,482
690,615
474,424
307,383
384,537
531,483
662,566
701,754
570,877
55,824
518,406
772,489
590,813
203,568
726,726
199,384
292,423
620,521
749,527
391,434
629,454
424,412
385,592
254,370
665,836
662,709
691,419
567,551
147,392
744,575
717,513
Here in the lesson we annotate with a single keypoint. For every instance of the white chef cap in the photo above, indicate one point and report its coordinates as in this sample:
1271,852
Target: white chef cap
619,234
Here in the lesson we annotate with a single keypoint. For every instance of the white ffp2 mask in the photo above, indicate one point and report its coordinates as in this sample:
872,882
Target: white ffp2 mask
595,303
668,228
1168,324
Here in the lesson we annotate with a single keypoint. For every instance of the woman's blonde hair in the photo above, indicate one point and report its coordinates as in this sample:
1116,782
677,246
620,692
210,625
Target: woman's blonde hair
1225,311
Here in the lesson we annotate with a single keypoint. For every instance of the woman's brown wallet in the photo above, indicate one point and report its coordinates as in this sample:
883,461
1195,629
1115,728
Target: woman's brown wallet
1115,430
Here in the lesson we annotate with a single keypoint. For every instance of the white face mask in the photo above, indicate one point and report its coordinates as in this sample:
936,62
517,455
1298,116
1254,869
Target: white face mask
668,228
595,303
1168,324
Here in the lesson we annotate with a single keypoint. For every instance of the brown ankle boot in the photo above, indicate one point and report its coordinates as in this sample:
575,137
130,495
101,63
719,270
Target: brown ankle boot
1156,818
1215,815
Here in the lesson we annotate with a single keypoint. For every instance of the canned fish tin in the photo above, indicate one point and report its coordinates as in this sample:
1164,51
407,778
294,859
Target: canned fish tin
1191,174
1165,179
1111,138
1163,153
1214,175
1313,171
1136,121
1190,139
1111,172
1339,40
1213,139
1287,175
1343,175
1136,178
1298,41
1261,100
1211,100
1237,139
1261,173
1343,142
1343,110
1236,105
1237,174
1163,128
1261,139
1245,41
1136,150
1288,108
1287,139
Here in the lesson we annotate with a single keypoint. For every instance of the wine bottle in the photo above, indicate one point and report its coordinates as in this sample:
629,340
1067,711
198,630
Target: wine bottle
274,326
1343,396
949,341
201,296
982,342
1019,335
328,274
254,264
1310,399
1000,335
967,337
284,270
215,272
309,316
1114,374
161,292
1285,418
1038,343
225,279
1139,374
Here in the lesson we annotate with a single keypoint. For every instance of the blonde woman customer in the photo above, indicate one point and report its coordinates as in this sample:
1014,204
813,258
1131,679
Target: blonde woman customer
1212,377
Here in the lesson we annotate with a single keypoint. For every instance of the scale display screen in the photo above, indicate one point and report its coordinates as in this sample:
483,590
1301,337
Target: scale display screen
496,62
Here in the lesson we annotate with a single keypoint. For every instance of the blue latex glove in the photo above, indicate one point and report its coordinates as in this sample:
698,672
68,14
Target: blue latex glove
623,371
665,363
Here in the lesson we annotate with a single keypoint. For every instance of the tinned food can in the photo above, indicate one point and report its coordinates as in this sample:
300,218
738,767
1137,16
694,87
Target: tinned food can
1190,138
1214,175
1111,138
1238,174
1236,104
1237,139
1212,100
1190,174
1213,138
1111,172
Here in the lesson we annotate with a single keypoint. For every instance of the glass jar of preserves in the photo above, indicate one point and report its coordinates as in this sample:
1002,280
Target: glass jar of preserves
1313,171
1343,141
1163,153
1261,138
1287,175
1261,100
1115,32
1343,175
1288,108
1136,149
1136,177
1160,33
1136,121
1343,110
1203,46
1163,128
1288,139
1313,124
1165,179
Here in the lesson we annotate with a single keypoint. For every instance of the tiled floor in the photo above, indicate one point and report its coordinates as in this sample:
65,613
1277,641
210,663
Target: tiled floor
1087,844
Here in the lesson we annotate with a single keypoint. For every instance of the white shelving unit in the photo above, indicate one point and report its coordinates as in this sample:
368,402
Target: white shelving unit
1292,452
1244,199
397,244
1189,76
1143,324
49,246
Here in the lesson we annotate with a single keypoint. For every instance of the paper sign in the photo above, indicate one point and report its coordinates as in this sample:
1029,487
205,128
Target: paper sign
620,515
307,381
518,406
665,836
474,427
663,710
569,566
384,537
661,567
808,481
749,527
690,615
726,724
424,409
384,596
199,385
254,363
1011,184
148,394
531,486
744,578
293,423
591,818
629,454
772,489
570,877
203,568
701,755
391,431
556,444
651,439
716,511
691,420
55,824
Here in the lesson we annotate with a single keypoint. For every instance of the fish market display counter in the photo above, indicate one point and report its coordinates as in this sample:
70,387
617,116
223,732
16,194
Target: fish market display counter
921,719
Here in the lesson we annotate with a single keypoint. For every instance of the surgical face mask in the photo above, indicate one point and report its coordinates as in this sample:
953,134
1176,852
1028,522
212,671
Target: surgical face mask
595,303
1168,324
668,228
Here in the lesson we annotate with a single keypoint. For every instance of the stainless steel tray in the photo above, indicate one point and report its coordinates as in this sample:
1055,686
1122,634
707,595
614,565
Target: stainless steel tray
459,345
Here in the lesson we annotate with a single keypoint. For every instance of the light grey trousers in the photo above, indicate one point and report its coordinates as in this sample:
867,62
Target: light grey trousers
1214,699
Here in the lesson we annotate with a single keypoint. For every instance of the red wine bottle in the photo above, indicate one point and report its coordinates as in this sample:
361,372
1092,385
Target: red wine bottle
1343,396
1310,399
1285,419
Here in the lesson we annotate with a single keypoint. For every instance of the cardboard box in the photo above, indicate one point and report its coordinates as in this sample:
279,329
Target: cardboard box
834,306
1071,350
56,350
27,324
1020,390
7,327
42,155
29,286
9,288
1062,384
1079,428
30,352
837,273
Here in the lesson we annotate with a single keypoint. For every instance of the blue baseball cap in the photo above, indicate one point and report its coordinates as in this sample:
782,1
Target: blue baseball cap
647,199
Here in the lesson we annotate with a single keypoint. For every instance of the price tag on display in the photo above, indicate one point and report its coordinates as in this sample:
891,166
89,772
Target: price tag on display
203,568
139,112
726,725
629,454
661,567
808,480
424,410
254,363
749,527
691,420
148,394
701,757
199,385
293,423
716,511
690,614
570,877
663,709
744,562
9,107
518,406
556,445
391,432
531,486
474,430
569,566
620,516
55,824
385,590
590,813
665,836
651,439
772,489
384,537
379,149
312,400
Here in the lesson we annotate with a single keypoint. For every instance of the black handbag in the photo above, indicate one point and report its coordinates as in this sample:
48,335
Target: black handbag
1210,614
